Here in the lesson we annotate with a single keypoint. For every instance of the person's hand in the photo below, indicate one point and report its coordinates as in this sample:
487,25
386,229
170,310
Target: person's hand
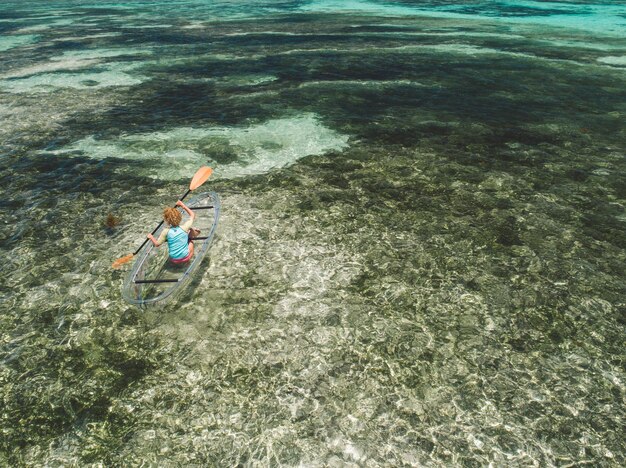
151,237
180,203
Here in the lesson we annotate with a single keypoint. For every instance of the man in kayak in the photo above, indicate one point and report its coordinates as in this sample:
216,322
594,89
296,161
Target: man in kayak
179,238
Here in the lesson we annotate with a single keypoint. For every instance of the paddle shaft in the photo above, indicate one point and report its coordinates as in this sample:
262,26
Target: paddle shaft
160,224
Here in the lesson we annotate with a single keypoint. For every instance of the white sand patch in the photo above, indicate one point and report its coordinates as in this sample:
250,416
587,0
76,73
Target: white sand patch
89,36
48,25
231,151
71,60
49,67
32,29
365,84
619,60
147,26
246,80
111,75
452,48
12,42
102,53
195,25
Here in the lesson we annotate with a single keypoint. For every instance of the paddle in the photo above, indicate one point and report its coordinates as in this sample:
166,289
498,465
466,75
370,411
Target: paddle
199,178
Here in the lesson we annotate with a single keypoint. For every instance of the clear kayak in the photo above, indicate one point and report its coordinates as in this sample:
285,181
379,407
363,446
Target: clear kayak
154,278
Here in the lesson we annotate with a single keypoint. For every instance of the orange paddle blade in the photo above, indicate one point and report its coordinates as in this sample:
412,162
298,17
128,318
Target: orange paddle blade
201,177
121,261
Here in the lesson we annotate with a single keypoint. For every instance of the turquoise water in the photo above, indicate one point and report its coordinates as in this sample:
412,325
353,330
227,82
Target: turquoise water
420,259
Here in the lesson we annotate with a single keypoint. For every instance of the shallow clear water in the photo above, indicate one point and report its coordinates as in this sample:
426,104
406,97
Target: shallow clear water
420,259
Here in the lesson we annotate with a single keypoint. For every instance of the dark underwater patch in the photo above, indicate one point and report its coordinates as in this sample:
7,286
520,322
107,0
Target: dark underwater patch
12,15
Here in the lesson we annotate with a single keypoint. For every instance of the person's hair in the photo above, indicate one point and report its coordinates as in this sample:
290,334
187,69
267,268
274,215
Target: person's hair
172,216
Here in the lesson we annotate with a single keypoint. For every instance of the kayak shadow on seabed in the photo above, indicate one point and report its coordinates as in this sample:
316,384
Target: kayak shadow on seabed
153,315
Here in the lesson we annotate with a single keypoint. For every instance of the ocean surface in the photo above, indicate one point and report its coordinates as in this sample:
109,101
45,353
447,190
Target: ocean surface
421,259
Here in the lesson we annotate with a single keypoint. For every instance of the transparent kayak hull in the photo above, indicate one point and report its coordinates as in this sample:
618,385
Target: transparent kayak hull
154,279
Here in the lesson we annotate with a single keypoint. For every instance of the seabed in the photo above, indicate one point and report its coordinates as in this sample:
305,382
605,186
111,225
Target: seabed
420,258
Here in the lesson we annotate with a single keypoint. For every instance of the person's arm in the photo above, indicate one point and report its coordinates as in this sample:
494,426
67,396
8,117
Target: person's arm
161,238
191,214
186,225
